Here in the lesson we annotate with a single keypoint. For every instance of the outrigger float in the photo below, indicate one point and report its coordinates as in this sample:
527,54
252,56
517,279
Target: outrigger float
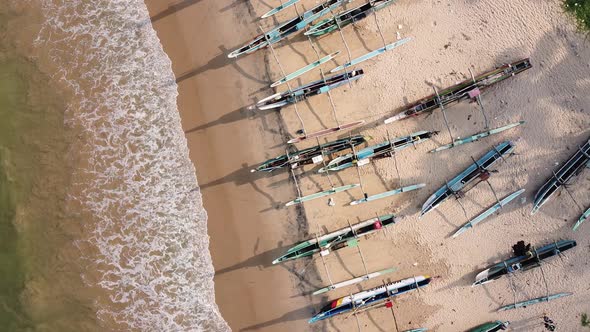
523,262
325,132
381,150
309,90
313,155
321,194
582,218
477,137
305,69
538,300
571,168
347,17
500,204
494,326
338,239
477,171
280,8
370,299
354,281
288,28
371,55
468,89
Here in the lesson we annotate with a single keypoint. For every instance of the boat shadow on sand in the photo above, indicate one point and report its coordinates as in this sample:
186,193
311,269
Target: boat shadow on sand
299,314
173,8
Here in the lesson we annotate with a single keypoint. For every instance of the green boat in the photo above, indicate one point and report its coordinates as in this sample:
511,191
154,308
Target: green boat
491,327
347,236
393,192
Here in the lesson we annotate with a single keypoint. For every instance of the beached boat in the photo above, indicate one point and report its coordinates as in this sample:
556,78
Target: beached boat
389,193
338,239
491,327
417,330
325,193
308,156
304,92
371,298
500,204
523,263
280,8
354,281
288,28
527,303
325,132
477,137
571,168
305,69
582,218
371,55
468,89
381,150
347,17
476,171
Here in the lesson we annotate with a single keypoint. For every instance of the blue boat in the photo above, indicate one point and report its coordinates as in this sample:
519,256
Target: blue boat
477,170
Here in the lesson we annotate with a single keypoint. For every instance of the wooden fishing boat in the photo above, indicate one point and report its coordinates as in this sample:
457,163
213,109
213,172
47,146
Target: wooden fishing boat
304,92
477,137
325,132
280,8
354,281
491,327
371,55
347,17
500,204
527,303
371,298
325,193
582,218
571,168
288,28
468,89
523,263
308,156
381,150
338,239
477,171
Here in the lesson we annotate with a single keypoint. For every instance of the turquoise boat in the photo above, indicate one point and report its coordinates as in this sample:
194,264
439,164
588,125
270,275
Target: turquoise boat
388,194
527,303
300,200
491,327
305,69
371,55
477,137
583,218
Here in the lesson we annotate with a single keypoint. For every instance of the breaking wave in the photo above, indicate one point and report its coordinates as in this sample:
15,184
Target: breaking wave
147,230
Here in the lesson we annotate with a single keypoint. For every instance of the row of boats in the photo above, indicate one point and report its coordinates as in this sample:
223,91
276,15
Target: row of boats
334,156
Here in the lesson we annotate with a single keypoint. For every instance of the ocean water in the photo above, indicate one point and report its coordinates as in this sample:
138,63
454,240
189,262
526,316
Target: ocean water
129,238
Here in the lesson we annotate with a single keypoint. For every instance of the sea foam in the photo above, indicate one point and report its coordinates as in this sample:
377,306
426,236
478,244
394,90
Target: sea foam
147,225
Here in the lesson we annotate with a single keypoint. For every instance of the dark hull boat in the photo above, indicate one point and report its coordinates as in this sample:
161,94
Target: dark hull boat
309,90
308,156
570,169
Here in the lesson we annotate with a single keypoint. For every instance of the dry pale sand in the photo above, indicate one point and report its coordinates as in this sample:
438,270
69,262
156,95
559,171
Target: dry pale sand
249,228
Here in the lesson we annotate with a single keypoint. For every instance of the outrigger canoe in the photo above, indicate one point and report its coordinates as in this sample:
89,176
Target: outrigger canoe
382,150
288,28
338,239
477,170
467,89
309,90
527,303
582,218
522,263
570,169
371,298
347,17
308,156
477,137
491,327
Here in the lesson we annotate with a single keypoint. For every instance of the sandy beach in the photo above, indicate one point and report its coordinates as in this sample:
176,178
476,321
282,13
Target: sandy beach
249,226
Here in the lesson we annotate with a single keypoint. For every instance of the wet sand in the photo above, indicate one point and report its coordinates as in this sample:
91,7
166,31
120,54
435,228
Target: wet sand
248,226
